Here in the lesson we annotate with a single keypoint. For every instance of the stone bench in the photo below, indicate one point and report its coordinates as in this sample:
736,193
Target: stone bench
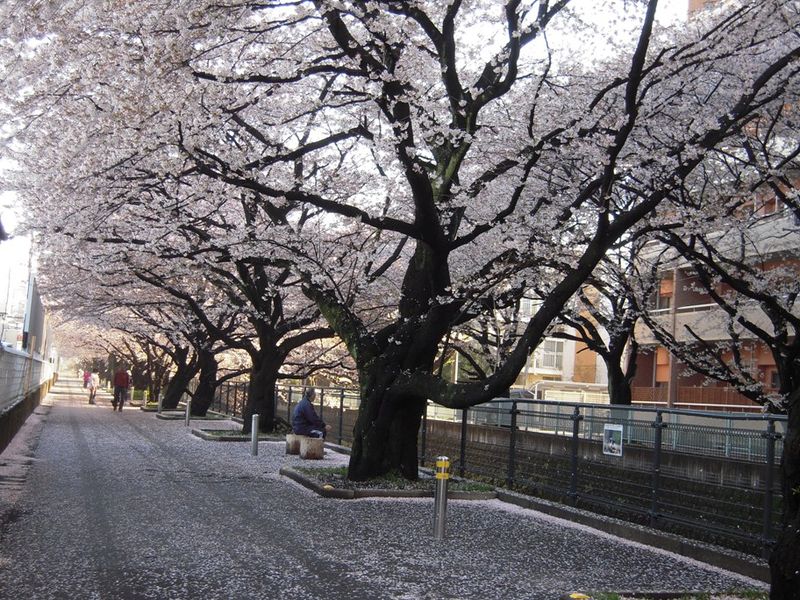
307,447
293,443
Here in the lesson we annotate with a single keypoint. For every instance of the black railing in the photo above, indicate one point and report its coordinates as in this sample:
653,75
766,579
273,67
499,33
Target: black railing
704,475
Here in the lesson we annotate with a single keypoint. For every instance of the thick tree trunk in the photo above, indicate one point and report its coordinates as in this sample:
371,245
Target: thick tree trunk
261,397
784,561
206,385
385,434
184,374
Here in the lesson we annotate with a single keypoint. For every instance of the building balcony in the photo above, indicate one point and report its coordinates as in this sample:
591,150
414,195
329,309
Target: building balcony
777,234
708,321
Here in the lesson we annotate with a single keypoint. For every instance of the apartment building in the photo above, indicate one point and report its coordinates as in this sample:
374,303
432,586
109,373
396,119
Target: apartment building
682,308
562,369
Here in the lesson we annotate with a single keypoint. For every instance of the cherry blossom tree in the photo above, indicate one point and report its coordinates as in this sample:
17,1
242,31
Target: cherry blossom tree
486,163
415,160
739,239
605,313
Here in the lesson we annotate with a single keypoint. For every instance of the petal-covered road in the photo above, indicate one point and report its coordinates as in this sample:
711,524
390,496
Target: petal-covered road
127,506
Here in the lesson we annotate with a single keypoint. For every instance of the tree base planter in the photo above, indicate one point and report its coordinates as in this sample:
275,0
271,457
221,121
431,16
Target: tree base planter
312,448
329,491
177,415
293,443
220,435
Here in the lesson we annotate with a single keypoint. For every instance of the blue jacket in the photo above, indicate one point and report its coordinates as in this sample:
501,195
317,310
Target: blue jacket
304,418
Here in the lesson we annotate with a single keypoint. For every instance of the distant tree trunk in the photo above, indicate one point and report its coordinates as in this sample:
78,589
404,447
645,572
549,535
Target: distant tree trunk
619,376
784,561
619,386
185,372
206,384
261,395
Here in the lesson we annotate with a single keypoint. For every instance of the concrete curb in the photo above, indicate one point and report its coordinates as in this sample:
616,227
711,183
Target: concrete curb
705,553
348,494
173,415
638,595
203,434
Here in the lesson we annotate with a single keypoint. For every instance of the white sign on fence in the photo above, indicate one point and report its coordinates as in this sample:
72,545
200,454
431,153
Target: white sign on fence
612,439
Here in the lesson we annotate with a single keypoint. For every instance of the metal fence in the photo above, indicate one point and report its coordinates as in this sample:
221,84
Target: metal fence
711,476
20,374
707,475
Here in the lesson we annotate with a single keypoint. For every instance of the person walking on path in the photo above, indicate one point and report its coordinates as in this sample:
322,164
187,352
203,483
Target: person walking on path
305,420
122,382
94,383
87,375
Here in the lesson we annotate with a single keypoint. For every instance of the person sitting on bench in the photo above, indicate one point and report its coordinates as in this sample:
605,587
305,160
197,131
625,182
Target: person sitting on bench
305,420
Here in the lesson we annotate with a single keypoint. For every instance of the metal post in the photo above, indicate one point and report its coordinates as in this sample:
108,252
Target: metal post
133,390
160,401
341,414
462,458
573,478
188,410
424,436
512,446
440,497
254,436
322,404
659,426
228,398
771,435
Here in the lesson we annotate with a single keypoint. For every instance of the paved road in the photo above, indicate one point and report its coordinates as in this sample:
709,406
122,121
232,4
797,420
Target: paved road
127,506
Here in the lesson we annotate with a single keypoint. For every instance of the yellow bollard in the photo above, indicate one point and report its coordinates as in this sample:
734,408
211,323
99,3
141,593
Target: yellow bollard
440,497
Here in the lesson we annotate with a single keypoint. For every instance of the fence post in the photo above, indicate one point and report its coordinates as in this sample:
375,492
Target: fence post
289,405
659,425
512,446
228,399
463,457
771,435
341,414
188,410
160,400
322,404
573,476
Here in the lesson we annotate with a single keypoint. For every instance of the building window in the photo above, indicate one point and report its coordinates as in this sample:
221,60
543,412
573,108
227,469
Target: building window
774,380
550,355
528,307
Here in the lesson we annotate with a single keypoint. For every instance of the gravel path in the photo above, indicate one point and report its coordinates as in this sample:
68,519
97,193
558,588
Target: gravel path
124,505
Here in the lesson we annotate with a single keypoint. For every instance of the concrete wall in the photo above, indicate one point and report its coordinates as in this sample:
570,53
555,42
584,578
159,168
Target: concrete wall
13,417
